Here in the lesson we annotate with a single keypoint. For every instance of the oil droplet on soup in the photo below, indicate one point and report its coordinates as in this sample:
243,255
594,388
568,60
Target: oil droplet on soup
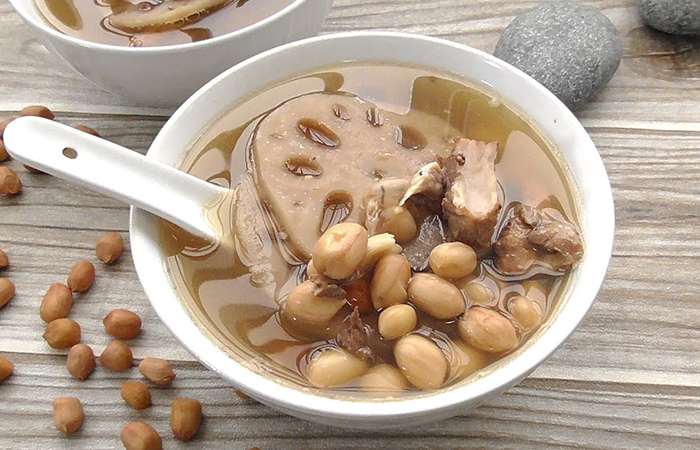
153,23
237,296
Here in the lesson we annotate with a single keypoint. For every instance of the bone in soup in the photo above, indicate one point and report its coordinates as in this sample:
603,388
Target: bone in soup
154,22
393,230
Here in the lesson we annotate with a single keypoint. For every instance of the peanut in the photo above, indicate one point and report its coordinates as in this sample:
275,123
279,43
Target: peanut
141,436
488,330
465,360
57,303
81,276
384,380
396,321
10,183
4,260
305,310
479,294
378,246
421,361
436,296
390,280
117,357
122,324
242,395
3,152
6,368
4,125
452,260
136,395
7,291
526,312
33,169
358,295
80,361
88,130
38,111
335,367
158,371
340,250
62,333
67,414
399,222
109,248
185,418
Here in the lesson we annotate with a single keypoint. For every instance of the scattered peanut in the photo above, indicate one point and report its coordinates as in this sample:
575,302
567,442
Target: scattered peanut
396,321
526,312
62,333
122,324
32,169
242,395
390,280
340,250
6,368
466,360
81,276
38,111
453,260
7,291
88,130
109,248
335,367
3,152
136,395
80,361
358,295
4,125
399,222
384,379
158,371
305,310
4,260
67,414
117,357
10,183
488,330
141,436
421,361
479,294
185,418
436,296
57,303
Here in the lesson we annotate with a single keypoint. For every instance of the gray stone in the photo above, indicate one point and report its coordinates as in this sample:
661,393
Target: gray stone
572,49
672,16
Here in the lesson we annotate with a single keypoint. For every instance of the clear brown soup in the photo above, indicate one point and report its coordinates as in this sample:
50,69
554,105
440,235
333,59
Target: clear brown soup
244,316
153,23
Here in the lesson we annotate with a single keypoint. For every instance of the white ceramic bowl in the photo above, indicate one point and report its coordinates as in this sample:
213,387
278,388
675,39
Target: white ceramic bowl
544,110
166,76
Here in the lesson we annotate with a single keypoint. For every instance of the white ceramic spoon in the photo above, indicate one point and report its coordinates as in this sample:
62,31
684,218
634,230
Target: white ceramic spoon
115,171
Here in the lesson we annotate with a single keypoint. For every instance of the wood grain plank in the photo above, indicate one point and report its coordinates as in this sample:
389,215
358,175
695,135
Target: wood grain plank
538,414
627,378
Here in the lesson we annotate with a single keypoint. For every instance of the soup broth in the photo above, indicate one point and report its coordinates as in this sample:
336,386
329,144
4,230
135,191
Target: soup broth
154,22
238,295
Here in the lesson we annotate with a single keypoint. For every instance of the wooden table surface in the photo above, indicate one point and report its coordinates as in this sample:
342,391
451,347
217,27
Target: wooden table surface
628,378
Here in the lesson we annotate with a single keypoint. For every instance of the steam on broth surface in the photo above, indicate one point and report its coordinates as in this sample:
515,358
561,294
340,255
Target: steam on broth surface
354,127
153,23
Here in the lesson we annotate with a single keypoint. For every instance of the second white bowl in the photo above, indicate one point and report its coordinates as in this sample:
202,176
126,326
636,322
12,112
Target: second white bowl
166,76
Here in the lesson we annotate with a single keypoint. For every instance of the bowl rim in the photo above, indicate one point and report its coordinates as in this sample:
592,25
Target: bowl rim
161,49
442,402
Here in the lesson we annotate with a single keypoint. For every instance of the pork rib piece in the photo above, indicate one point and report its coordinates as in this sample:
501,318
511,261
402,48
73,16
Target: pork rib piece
531,237
471,203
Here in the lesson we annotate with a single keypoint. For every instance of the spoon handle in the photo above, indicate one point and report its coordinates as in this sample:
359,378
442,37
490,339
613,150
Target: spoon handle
113,170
